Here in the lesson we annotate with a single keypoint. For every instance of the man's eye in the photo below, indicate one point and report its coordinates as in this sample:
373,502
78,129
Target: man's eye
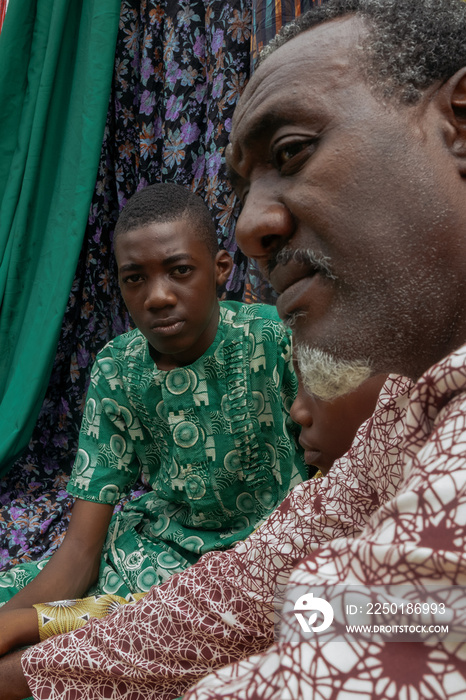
291,156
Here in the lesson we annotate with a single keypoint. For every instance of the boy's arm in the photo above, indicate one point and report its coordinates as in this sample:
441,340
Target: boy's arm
13,685
68,574
75,566
18,628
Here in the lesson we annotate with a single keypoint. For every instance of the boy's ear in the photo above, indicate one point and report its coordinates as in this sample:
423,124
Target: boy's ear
452,97
223,265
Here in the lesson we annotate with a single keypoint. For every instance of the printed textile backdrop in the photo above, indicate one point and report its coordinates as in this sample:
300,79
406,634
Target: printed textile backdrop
179,70
180,67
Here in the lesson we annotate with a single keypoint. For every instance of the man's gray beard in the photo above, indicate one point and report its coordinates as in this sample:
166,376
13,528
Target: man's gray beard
328,378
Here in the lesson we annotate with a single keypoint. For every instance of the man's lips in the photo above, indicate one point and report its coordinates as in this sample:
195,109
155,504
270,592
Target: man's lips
312,457
290,281
298,283
284,276
293,296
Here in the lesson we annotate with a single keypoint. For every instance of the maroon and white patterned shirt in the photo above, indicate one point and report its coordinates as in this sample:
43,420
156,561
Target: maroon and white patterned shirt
393,509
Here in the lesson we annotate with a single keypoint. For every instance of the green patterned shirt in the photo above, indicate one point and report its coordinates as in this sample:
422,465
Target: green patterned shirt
213,440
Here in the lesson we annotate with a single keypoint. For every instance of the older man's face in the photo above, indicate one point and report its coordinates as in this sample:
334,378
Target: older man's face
357,195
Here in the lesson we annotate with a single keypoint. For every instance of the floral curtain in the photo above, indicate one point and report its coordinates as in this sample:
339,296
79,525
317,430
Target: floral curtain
180,67
179,70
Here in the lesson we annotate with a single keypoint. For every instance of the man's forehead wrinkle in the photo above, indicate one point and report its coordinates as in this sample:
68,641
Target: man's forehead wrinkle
269,113
328,47
273,104
324,61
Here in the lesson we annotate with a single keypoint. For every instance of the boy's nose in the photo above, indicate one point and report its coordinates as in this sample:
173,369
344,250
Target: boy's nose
159,295
299,411
263,226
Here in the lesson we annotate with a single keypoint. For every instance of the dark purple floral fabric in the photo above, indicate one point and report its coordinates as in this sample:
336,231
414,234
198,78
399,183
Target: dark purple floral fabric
179,70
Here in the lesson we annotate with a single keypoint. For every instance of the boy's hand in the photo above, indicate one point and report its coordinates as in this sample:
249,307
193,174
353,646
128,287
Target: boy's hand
14,685
18,628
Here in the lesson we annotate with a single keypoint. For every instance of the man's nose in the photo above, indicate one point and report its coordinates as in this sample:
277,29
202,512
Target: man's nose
159,294
263,226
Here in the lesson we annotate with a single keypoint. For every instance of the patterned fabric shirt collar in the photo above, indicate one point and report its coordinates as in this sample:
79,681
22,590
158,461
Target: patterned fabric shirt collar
431,394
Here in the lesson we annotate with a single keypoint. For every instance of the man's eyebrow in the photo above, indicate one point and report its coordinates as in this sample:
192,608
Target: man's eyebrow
267,124
263,127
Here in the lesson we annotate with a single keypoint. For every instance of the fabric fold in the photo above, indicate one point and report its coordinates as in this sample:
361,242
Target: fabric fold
51,136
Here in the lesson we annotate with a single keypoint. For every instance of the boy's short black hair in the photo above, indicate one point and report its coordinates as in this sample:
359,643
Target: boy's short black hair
164,202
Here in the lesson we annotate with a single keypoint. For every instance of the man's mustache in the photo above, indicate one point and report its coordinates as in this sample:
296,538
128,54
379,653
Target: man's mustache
302,256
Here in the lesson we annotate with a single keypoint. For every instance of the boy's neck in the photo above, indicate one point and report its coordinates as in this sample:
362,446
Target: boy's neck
166,361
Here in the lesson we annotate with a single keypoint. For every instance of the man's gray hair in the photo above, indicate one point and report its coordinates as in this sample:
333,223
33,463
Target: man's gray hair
411,44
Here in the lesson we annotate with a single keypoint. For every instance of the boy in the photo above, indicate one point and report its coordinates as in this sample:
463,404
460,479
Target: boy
328,427
327,431
196,398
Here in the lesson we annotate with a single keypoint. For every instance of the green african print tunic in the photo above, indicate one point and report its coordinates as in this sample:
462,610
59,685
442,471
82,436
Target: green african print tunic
213,440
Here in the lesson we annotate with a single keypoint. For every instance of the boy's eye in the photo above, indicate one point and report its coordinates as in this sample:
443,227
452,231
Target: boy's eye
290,157
132,279
182,270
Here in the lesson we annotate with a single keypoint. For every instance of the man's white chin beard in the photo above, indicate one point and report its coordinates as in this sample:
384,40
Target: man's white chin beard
328,378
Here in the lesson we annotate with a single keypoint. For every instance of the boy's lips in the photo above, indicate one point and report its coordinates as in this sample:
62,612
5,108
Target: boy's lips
167,326
312,457
311,454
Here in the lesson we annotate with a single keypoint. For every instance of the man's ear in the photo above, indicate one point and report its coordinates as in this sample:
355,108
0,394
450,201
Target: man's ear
223,265
452,97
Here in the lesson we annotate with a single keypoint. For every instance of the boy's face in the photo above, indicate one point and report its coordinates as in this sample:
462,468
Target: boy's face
168,280
328,427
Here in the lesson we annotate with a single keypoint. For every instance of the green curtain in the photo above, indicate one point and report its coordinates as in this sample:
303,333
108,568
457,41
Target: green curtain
56,63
